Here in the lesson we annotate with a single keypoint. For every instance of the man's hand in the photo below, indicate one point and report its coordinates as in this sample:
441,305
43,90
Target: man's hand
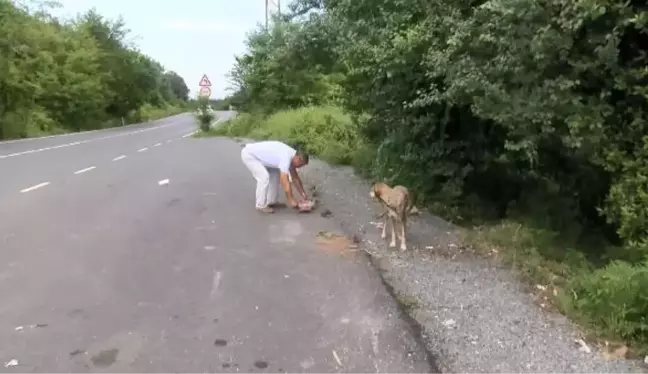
300,186
285,184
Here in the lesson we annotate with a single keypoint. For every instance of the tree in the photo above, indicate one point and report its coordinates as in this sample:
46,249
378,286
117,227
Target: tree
77,75
177,84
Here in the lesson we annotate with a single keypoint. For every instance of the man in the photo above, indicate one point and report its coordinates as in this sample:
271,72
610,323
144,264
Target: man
271,163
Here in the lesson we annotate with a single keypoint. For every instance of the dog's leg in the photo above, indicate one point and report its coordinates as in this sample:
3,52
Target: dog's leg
392,244
403,234
384,232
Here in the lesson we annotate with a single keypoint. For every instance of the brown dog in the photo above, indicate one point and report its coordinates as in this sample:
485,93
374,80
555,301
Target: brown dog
396,203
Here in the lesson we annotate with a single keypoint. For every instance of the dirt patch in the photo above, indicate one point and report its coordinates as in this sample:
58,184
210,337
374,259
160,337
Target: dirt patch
336,243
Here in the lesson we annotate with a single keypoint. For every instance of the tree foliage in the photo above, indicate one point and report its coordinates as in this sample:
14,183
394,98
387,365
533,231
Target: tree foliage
534,108
75,75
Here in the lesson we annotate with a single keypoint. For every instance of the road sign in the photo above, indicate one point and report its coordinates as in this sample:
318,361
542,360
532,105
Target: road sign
205,91
204,81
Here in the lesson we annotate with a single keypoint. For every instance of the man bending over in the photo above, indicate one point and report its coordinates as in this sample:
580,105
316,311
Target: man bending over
272,162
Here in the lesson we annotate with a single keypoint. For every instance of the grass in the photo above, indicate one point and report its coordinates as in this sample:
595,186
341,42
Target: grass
36,122
609,299
151,113
326,132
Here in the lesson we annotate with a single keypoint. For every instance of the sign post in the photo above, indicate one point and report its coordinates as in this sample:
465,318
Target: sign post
205,86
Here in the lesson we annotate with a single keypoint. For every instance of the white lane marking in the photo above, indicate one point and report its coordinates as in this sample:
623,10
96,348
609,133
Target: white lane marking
86,132
163,182
34,187
157,144
337,358
119,158
188,135
84,170
215,284
39,150
80,142
169,141
142,150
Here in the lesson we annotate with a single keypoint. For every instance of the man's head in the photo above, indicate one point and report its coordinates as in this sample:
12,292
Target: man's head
299,159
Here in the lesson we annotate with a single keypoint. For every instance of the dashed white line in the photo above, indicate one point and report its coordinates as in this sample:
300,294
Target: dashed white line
157,144
84,170
34,187
169,141
80,142
142,150
119,158
188,135
163,182
39,150
85,132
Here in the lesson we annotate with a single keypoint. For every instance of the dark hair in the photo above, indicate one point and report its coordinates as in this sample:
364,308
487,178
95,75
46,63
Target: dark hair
303,155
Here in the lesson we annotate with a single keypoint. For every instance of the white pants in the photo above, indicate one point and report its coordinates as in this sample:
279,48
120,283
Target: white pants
267,179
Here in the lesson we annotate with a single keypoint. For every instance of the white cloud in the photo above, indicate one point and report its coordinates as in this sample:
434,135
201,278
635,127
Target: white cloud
204,26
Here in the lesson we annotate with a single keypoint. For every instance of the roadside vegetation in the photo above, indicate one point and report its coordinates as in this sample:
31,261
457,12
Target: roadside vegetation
204,114
61,76
523,121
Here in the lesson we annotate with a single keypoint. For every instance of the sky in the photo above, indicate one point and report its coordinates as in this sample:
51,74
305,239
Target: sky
190,37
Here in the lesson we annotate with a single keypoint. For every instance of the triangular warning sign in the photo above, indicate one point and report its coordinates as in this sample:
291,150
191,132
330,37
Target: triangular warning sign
204,82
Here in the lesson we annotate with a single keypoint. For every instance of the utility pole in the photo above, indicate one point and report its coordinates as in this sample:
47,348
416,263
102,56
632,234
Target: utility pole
267,11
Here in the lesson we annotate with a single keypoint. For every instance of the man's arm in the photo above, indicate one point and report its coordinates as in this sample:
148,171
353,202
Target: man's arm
298,183
285,184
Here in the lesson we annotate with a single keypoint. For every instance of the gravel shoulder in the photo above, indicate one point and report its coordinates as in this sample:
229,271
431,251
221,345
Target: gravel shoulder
474,315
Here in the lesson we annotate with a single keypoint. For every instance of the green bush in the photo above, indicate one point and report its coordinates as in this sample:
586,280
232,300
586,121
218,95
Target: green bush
326,132
613,300
323,131
148,112
242,125
205,120
204,115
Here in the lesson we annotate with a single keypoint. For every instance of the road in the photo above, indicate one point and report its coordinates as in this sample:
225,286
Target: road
138,249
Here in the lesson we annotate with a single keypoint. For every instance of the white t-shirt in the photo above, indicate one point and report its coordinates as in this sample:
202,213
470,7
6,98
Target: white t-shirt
272,154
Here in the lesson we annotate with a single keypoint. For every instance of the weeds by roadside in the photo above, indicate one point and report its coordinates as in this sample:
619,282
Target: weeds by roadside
151,113
204,115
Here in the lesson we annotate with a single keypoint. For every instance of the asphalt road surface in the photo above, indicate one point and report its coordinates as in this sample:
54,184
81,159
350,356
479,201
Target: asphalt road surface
138,249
